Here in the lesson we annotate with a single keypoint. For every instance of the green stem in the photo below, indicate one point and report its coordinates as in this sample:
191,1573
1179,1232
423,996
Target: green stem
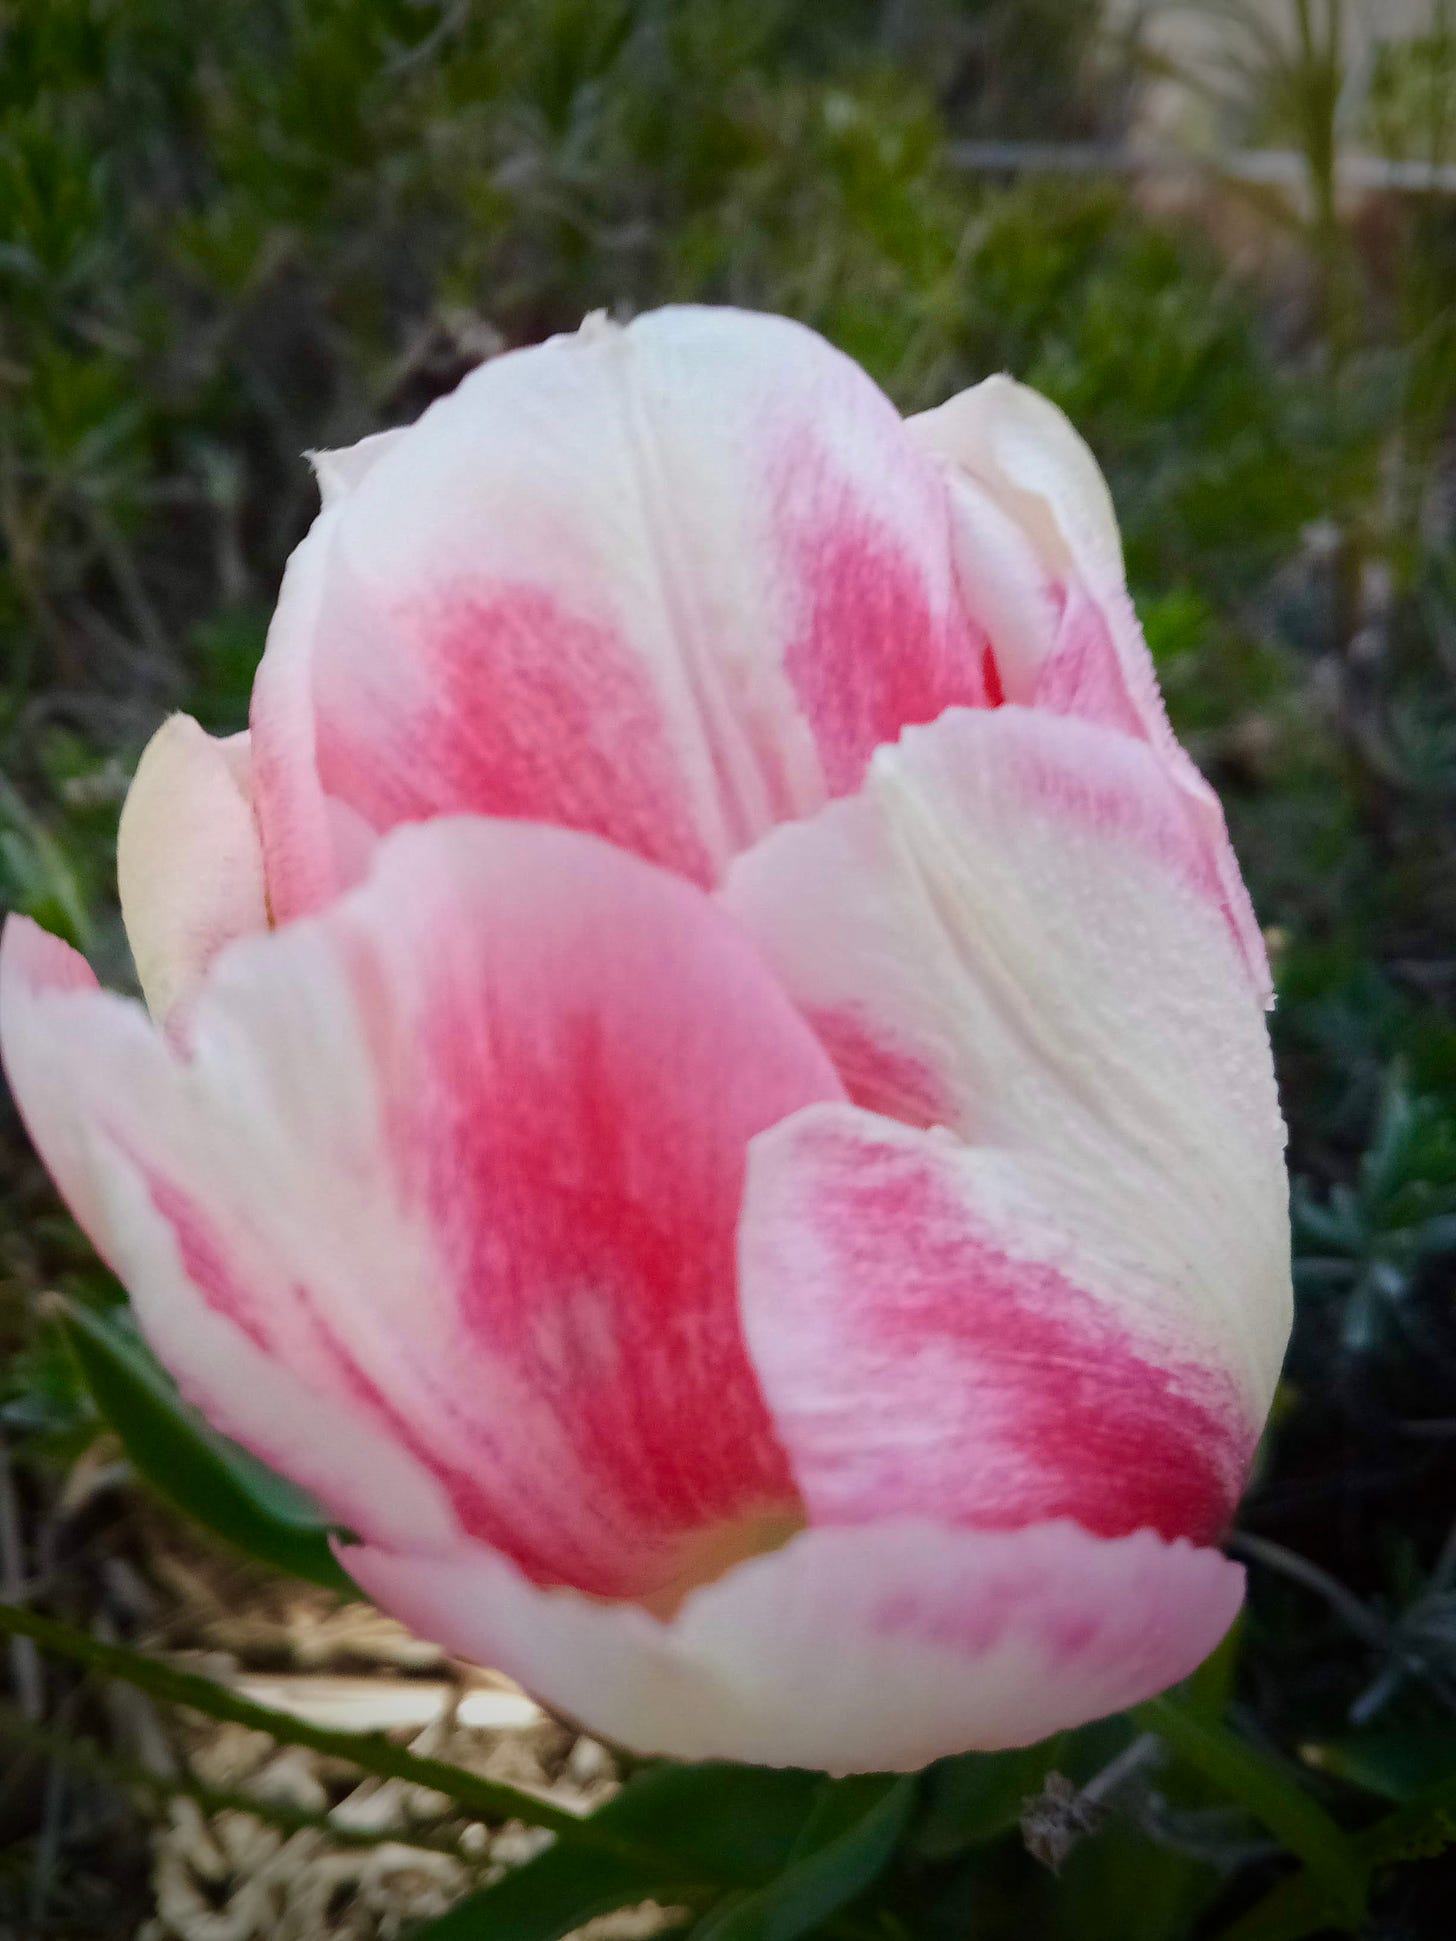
484,1799
1299,1906
82,1755
1258,1783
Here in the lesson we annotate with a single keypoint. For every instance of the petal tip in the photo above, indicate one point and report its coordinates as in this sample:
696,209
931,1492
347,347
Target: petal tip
34,961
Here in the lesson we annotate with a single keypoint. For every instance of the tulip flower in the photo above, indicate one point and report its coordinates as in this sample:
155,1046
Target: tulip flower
705,1086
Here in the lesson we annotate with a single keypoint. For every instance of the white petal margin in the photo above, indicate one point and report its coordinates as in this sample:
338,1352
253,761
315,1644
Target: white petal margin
338,472
1027,454
850,1650
80,1060
1040,562
1014,933
189,864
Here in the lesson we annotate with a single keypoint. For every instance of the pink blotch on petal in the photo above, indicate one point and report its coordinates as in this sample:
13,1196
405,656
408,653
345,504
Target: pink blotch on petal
573,1059
878,647
513,707
1084,675
922,1359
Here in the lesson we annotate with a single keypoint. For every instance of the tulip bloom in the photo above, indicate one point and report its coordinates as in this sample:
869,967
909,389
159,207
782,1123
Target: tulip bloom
706,1088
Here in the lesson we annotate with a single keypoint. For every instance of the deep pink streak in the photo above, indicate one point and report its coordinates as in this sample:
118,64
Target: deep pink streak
881,643
511,706
570,1082
991,678
605,1276
1050,1411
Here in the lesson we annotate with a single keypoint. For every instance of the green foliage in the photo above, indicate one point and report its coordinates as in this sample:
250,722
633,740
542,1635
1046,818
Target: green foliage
979,1797
844,1845
228,1491
768,1854
1368,1243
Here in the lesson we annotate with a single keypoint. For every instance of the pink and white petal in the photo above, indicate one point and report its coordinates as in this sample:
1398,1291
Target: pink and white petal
1099,669
465,1155
857,1650
90,1076
37,972
1025,452
189,863
670,584
296,820
1032,509
1017,936
942,1331
1012,601
1051,592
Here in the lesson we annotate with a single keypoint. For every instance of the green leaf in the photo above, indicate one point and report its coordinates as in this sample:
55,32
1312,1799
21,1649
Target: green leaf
977,1797
1270,1794
708,1826
845,1846
204,1474
554,1894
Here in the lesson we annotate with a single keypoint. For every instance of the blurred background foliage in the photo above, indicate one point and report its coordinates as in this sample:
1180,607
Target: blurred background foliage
233,233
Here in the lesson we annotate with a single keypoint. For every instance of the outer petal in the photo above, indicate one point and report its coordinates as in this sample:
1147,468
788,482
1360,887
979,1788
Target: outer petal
852,1650
189,865
87,1070
1040,564
463,1159
670,583
1013,932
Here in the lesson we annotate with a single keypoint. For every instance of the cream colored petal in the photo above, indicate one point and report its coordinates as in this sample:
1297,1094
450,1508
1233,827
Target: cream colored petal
189,866
1025,452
